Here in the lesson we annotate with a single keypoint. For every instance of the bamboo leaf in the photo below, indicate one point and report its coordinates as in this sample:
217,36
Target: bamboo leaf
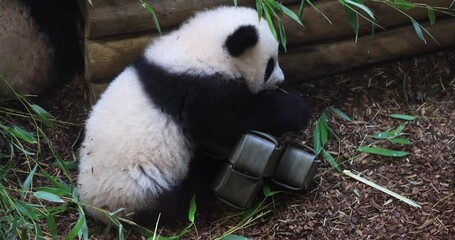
48,196
331,160
353,20
52,226
431,15
234,237
383,135
56,191
402,4
341,114
268,192
418,30
270,23
317,139
74,232
322,123
331,131
21,134
402,117
28,181
291,14
192,210
383,152
259,8
361,6
302,8
400,141
282,34
43,115
149,9
25,210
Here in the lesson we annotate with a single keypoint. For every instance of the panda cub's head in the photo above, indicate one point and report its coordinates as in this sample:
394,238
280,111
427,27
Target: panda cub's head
231,41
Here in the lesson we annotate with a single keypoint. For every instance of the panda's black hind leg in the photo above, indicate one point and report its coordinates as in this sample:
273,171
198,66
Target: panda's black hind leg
174,205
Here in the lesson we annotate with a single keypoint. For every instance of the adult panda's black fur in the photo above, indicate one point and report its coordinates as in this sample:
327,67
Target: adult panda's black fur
201,86
38,44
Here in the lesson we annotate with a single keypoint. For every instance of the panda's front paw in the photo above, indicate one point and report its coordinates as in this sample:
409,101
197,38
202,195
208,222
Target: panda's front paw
296,111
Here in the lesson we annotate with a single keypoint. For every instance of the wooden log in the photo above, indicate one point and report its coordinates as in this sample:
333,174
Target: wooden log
318,29
114,17
324,59
328,58
106,57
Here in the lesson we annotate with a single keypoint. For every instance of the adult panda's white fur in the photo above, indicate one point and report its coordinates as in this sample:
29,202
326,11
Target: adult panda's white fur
197,87
27,55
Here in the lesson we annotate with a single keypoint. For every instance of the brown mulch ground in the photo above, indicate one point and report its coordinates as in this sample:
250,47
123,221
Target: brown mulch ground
340,207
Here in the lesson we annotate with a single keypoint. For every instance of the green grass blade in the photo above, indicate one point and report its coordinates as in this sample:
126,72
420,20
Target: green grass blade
341,114
383,152
331,160
402,117
28,181
418,30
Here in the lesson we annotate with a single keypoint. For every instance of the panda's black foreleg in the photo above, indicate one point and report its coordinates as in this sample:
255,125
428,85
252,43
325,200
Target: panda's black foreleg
220,118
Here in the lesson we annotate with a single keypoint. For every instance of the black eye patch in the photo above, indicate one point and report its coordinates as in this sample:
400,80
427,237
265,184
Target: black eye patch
269,69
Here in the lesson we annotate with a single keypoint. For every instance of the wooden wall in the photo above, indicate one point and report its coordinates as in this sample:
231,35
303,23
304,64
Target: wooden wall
115,31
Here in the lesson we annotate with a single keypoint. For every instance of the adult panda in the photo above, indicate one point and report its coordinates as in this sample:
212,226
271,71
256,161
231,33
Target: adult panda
202,85
38,44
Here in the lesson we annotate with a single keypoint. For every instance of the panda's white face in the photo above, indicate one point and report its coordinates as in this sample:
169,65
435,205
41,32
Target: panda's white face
259,63
227,40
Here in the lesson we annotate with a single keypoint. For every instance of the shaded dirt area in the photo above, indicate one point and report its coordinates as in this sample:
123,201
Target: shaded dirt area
340,207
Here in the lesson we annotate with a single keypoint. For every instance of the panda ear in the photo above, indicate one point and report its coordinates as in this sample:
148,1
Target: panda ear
243,38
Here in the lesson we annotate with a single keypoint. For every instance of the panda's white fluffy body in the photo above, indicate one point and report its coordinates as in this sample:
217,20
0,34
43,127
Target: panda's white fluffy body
209,81
27,53
124,134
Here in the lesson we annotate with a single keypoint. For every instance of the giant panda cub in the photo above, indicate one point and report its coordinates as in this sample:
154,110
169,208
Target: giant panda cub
202,85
